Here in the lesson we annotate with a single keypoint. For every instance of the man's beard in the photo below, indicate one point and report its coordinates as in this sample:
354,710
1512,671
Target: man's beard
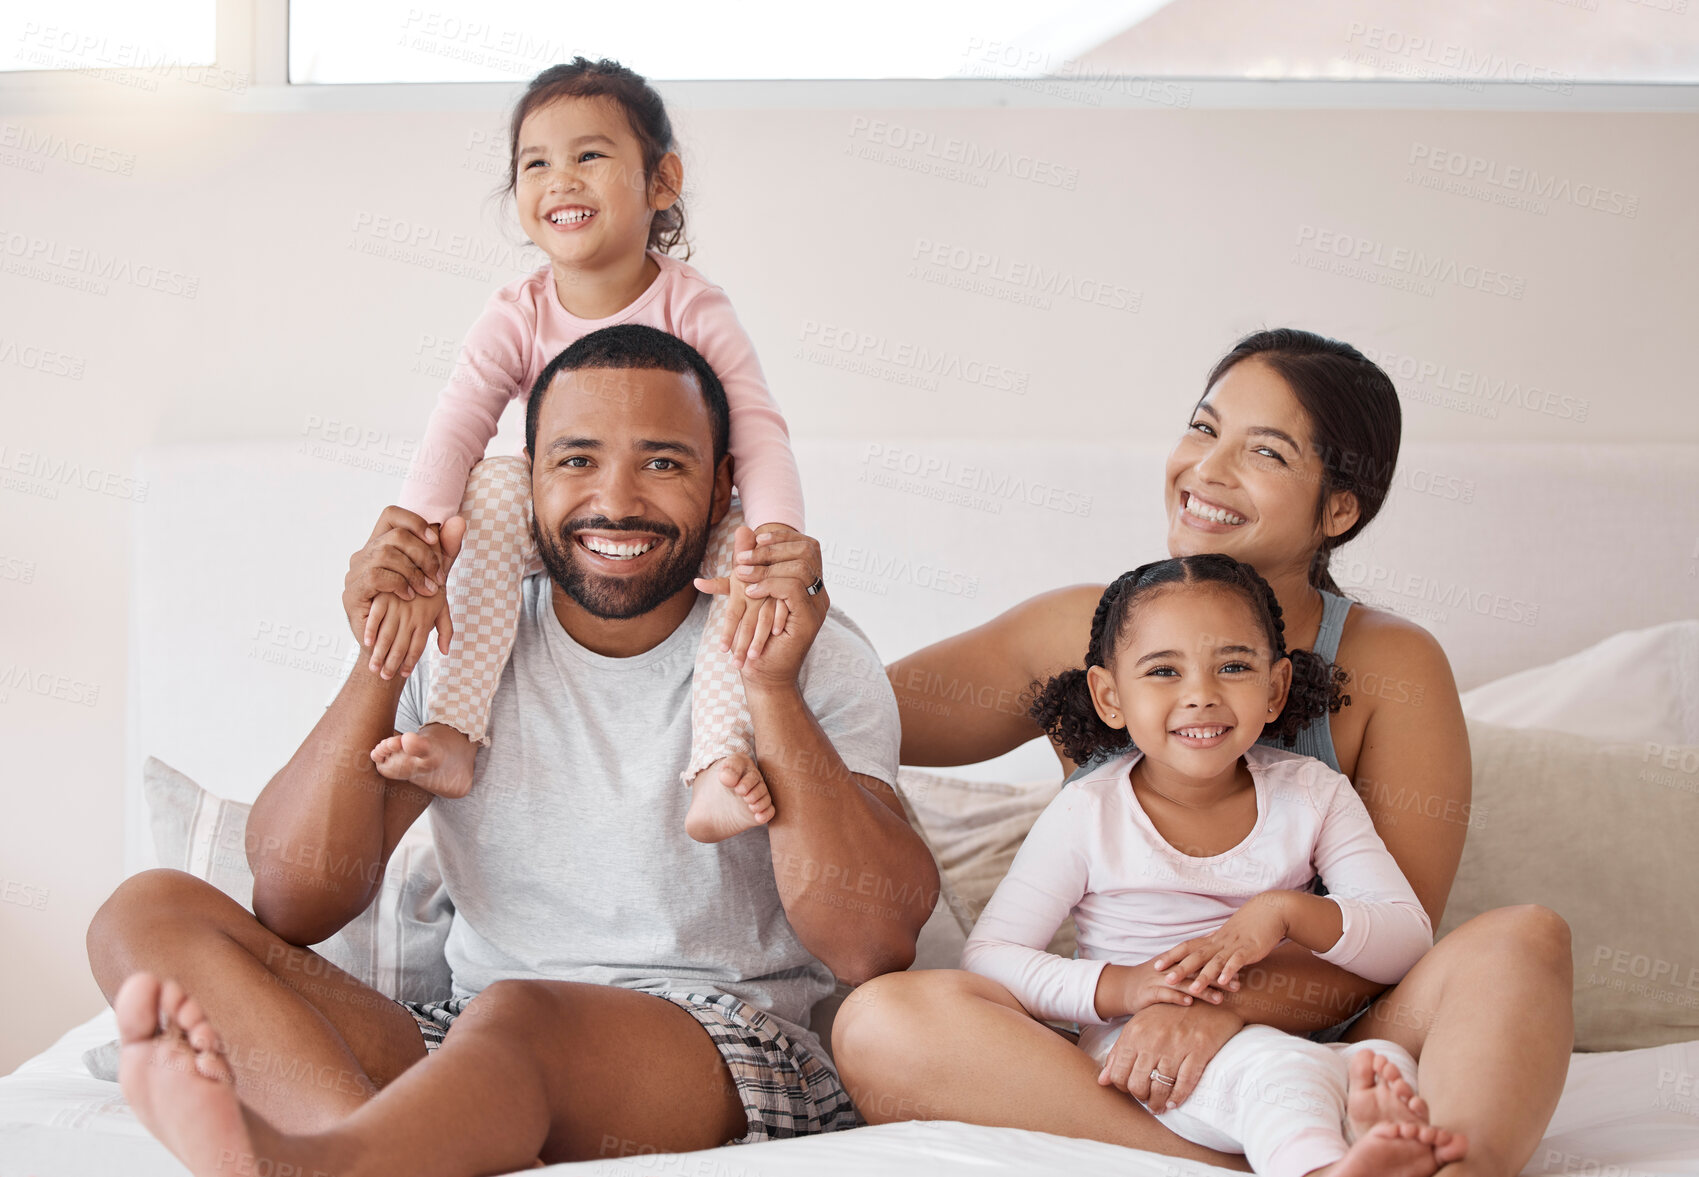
619,598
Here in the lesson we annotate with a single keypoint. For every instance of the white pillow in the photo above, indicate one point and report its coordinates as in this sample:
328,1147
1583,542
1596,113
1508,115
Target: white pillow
1638,685
395,945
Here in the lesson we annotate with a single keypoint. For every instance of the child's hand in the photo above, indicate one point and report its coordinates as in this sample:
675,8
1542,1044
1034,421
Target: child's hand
1249,934
398,631
773,614
750,621
1149,985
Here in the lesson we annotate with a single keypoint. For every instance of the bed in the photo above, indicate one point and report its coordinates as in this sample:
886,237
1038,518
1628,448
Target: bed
922,539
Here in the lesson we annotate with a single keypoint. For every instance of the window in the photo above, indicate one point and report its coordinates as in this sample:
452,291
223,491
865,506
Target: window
159,37
1548,44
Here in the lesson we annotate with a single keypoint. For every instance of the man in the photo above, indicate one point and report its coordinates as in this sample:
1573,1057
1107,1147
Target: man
618,986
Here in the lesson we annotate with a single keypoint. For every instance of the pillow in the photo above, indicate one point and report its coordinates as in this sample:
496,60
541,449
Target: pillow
974,829
395,945
1641,684
1602,833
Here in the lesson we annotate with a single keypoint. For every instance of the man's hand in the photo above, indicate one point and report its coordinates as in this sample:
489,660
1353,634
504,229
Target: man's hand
1173,1041
407,557
778,571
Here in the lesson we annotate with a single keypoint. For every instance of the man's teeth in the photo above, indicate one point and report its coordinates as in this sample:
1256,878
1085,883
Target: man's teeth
1199,733
1213,514
617,551
571,216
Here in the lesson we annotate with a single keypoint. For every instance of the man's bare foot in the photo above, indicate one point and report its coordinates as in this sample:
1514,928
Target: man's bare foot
172,1068
437,758
1403,1149
726,798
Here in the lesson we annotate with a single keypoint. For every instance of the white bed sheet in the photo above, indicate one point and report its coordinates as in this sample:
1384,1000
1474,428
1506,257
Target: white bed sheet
1628,1114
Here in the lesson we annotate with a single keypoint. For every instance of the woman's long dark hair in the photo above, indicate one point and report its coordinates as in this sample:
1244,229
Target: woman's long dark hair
644,110
1063,707
1355,421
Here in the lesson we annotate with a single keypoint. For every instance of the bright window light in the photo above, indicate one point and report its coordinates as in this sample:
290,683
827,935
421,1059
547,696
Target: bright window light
1543,44
155,37
507,40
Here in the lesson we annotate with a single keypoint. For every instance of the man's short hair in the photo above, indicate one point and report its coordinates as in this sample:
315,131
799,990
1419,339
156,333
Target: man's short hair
632,345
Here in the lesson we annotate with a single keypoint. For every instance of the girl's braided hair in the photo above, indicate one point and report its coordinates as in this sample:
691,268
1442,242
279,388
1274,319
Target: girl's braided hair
1063,707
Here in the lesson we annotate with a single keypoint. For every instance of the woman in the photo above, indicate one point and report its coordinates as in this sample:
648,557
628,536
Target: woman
1288,455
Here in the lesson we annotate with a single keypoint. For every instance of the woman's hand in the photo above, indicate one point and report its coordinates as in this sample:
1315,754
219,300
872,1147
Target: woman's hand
1249,934
1172,1042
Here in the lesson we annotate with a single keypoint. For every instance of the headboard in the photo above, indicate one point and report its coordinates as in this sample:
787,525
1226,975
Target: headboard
1512,555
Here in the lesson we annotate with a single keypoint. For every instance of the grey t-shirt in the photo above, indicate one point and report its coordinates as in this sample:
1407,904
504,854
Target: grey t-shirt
568,859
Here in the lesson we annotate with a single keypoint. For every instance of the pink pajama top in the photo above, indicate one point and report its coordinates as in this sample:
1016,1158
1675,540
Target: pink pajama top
524,326
1095,853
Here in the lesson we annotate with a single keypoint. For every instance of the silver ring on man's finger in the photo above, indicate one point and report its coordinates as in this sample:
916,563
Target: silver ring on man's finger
818,586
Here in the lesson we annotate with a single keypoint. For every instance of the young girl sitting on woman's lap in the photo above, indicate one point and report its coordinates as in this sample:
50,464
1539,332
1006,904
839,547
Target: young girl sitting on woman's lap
1191,855
596,182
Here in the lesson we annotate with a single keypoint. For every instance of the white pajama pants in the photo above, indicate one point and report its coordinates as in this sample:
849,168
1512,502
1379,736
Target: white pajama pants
1275,1097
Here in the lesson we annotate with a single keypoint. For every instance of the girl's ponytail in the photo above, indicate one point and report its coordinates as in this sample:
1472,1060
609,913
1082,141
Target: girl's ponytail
1063,707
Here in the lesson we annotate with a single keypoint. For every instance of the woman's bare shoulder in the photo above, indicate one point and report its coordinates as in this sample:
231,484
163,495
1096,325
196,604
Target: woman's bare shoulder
1054,627
1392,658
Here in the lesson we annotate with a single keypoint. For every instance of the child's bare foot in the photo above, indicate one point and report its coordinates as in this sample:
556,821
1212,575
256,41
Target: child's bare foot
1376,1090
1378,1093
1403,1149
726,798
437,758
172,1068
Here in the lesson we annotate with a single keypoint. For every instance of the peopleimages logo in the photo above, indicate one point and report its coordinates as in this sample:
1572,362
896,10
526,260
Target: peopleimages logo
921,143
967,484
1416,264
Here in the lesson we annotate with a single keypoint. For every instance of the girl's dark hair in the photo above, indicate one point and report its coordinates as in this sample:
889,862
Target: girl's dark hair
1063,708
644,110
1355,421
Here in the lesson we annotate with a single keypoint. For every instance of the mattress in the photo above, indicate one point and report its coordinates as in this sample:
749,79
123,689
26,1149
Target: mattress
1628,1114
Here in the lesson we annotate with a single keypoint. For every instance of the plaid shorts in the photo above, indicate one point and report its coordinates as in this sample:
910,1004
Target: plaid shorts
786,1088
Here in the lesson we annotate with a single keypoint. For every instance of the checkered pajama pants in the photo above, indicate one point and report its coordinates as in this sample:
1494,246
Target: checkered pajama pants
499,551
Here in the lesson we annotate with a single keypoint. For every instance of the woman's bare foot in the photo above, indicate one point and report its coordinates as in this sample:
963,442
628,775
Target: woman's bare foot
437,758
172,1068
1403,1149
726,798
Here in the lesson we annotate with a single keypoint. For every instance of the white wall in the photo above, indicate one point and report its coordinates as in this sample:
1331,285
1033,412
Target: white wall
1207,219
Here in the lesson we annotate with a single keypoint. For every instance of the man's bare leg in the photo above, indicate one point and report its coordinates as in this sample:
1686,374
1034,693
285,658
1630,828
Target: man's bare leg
942,1044
1488,1014
548,1069
305,1042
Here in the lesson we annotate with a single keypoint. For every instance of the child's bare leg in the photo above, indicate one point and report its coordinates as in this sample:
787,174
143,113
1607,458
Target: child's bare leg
498,551
726,798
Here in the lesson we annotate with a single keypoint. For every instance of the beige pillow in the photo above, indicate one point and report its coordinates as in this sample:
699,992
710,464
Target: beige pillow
973,829
1604,834
395,945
